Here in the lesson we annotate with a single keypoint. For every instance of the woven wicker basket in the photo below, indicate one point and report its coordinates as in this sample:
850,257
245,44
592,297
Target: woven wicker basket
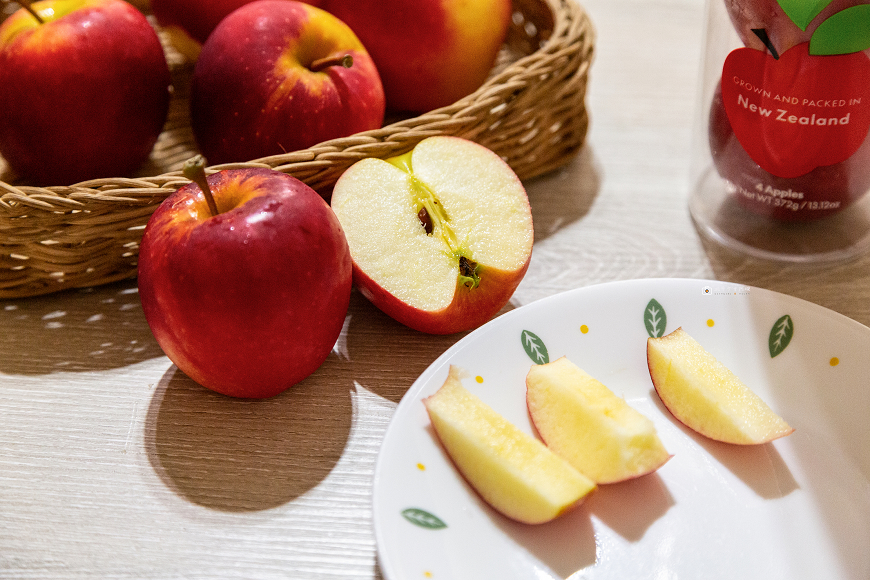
531,111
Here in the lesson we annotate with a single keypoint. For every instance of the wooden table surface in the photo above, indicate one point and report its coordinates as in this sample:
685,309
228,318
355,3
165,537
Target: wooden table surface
115,465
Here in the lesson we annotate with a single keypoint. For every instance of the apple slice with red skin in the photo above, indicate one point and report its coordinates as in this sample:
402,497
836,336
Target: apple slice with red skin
511,470
706,396
440,237
247,298
583,421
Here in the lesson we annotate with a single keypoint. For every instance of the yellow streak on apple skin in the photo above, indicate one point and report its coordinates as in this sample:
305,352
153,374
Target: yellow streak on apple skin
49,11
323,35
230,194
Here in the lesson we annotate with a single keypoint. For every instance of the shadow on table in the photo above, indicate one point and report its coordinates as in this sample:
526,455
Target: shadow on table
563,196
90,329
240,455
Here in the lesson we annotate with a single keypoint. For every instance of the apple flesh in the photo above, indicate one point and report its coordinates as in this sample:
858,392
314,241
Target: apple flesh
278,76
440,237
84,94
430,53
511,470
189,22
249,301
706,396
597,432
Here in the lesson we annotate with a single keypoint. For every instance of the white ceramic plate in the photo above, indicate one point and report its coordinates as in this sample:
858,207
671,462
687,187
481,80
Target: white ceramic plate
798,507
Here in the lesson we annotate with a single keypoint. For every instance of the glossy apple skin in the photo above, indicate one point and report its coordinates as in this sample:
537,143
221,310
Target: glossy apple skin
829,188
82,96
252,94
430,53
198,18
249,302
470,307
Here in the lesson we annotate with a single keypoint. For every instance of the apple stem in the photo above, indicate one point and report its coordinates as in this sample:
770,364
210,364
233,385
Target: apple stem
762,35
194,170
320,64
26,5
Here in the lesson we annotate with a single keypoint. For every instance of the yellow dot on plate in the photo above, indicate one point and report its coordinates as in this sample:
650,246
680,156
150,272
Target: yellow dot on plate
478,378
421,467
835,361
584,329
710,322
427,574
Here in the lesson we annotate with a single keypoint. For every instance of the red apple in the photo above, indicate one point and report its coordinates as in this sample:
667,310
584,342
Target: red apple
250,298
440,237
189,22
83,94
278,76
430,53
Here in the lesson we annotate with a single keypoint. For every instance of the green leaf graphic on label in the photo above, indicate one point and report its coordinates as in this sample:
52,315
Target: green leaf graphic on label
655,319
802,12
535,348
423,519
845,32
780,335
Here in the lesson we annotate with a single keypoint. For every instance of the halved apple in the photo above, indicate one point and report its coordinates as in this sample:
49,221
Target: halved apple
582,420
440,237
706,396
510,469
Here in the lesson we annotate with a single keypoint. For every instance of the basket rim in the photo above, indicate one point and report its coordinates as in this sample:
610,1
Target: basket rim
571,24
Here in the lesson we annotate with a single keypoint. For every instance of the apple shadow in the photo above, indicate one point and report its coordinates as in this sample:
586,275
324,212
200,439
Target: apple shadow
385,356
630,507
564,195
760,467
87,329
241,455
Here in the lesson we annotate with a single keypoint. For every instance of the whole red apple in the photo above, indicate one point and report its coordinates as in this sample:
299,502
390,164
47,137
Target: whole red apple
189,22
278,76
250,299
440,237
83,94
430,53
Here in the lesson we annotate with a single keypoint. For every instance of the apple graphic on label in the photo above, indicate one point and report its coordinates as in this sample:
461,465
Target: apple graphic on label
245,280
788,128
278,76
84,90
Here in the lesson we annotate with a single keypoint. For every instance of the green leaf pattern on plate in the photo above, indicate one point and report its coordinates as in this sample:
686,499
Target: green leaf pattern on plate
780,335
423,519
655,319
534,347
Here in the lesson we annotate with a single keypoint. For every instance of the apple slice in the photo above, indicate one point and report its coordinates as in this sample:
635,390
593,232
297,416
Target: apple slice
511,470
706,396
596,431
440,237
